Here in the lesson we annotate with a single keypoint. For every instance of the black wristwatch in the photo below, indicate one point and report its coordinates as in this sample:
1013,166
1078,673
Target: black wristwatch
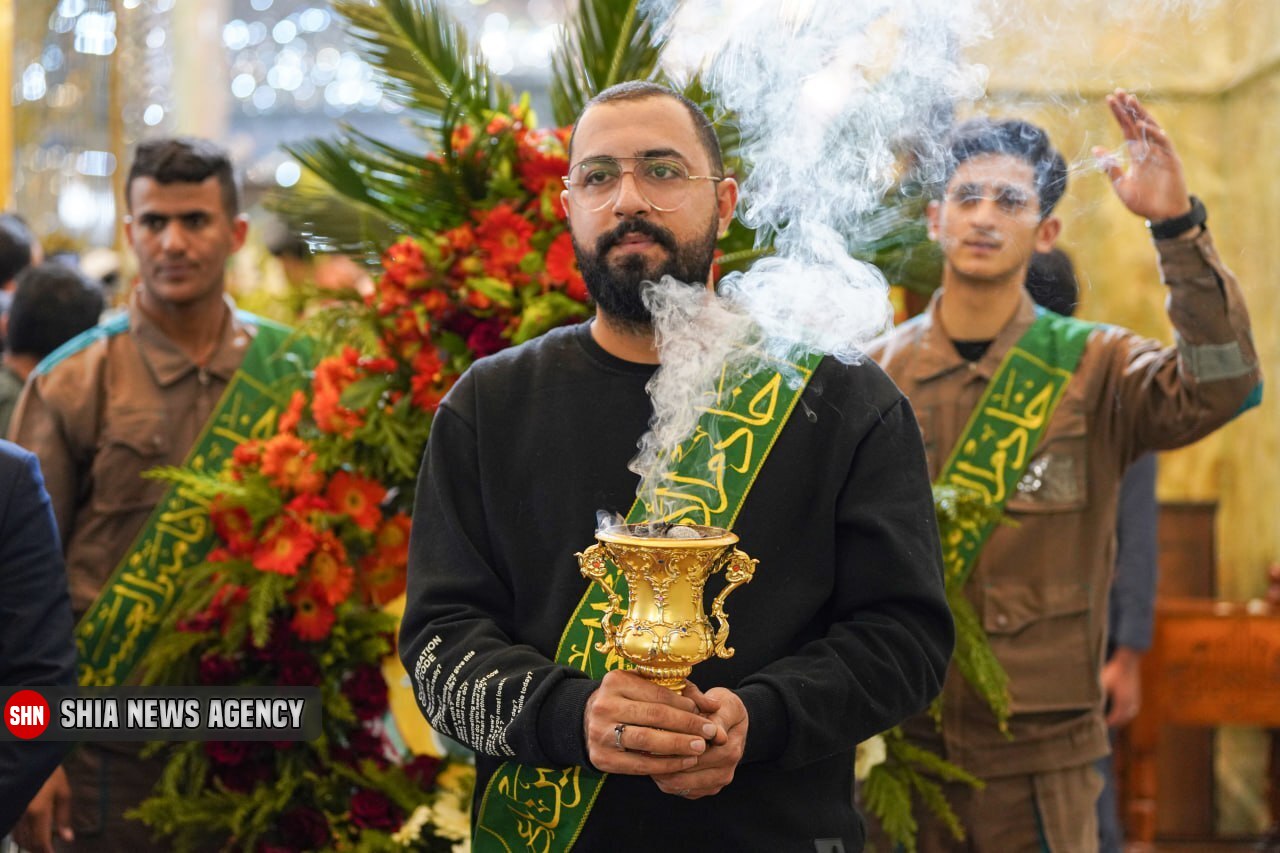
1166,228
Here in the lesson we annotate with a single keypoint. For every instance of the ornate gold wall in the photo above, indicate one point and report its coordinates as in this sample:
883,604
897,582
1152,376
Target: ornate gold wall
1213,79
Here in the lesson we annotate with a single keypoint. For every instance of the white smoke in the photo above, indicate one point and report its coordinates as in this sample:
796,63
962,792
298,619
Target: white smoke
827,94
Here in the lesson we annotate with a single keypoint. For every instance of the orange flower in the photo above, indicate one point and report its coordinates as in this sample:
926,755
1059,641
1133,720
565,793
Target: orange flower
357,497
427,383
462,137
289,464
292,415
404,264
382,579
541,161
286,544
330,571
503,235
562,268
392,539
234,526
247,454
333,375
312,615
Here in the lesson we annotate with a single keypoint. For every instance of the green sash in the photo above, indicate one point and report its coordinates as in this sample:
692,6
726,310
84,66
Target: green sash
119,626
544,810
1007,425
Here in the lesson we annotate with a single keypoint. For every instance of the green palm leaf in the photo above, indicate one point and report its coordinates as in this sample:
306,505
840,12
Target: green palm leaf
609,42
408,192
423,58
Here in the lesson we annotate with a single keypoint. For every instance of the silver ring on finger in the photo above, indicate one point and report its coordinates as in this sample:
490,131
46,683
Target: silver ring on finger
682,793
617,737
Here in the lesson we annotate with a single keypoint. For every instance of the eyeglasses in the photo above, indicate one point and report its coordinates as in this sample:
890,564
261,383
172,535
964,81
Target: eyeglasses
593,184
1010,199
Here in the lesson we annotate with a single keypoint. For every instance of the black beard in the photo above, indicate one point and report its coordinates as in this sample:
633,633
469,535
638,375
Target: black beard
619,290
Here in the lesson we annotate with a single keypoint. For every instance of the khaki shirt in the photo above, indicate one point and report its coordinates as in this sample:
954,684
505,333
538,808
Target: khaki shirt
1040,587
101,416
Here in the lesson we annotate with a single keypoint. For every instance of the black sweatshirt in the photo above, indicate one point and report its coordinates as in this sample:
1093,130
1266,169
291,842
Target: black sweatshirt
843,632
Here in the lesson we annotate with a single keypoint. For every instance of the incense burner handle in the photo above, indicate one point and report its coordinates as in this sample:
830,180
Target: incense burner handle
595,567
738,569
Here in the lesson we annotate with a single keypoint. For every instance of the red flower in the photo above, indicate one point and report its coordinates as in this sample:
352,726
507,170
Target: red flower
226,753
392,539
382,579
306,827
562,268
462,137
541,162
288,462
247,454
404,265
216,670
372,810
330,570
367,691
333,375
297,669
422,770
292,415
486,338
233,526
312,615
428,384
286,544
358,497
503,235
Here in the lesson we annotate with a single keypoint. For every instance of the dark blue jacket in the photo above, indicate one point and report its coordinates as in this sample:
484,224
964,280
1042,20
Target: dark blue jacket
36,647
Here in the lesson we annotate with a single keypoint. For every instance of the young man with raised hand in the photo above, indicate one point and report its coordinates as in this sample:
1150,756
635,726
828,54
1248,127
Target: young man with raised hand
1041,415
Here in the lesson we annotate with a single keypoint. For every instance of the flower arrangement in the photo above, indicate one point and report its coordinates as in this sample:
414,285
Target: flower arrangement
312,523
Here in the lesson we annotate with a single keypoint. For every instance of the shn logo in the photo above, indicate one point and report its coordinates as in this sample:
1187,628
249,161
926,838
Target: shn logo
26,714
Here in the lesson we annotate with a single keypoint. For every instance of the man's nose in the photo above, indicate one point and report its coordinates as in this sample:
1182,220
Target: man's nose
630,201
174,237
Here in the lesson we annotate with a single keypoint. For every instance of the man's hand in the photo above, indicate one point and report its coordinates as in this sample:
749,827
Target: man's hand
637,728
1153,186
1122,683
48,812
716,767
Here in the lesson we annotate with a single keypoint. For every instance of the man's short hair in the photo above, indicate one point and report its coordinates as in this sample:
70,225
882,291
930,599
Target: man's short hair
185,160
51,305
16,240
1051,281
637,90
1016,138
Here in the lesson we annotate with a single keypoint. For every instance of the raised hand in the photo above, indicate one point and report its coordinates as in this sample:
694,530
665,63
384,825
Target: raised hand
637,728
1153,186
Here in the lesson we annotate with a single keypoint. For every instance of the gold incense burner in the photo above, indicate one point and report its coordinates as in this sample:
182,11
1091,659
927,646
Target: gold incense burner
664,631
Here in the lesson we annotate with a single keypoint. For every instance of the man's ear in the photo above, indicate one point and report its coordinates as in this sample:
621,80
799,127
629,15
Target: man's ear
726,203
239,230
931,215
1047,233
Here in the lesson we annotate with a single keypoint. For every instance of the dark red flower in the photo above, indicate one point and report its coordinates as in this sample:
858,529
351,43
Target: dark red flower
297,669
245,777
422,770
306,827
372,810
362,744
226,753
486,338
367,691
217,670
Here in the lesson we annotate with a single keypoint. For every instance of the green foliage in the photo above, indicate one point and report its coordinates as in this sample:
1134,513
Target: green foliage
608,42
423,58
